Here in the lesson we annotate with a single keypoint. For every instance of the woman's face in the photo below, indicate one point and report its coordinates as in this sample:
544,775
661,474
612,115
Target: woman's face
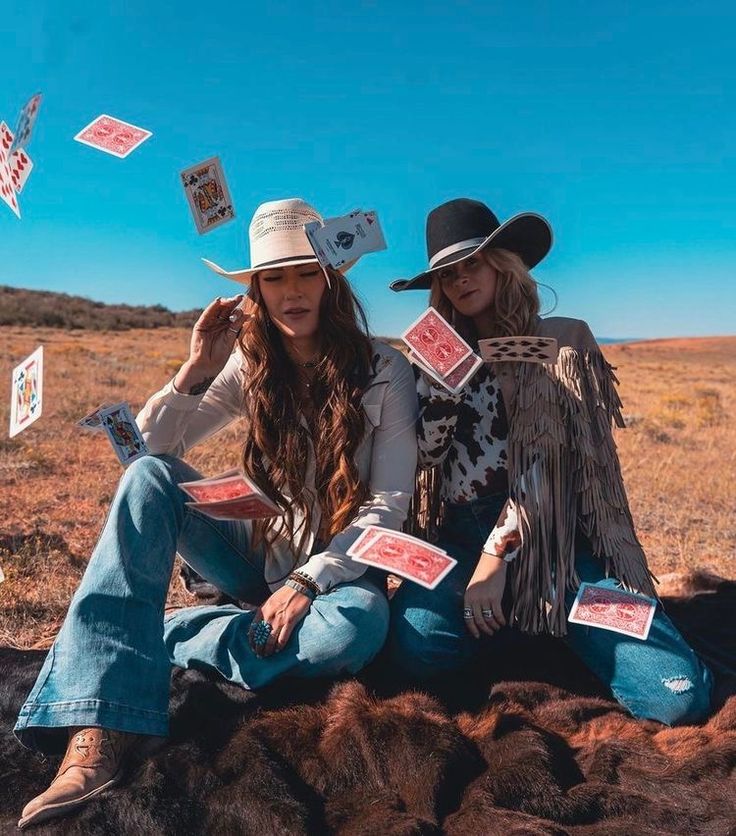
292,296
470,285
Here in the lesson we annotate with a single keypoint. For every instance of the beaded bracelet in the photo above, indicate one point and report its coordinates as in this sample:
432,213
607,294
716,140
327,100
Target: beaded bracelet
305,580
299,587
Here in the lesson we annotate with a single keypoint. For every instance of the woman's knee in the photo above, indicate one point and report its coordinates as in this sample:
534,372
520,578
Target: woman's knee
353,627
681,699
424,644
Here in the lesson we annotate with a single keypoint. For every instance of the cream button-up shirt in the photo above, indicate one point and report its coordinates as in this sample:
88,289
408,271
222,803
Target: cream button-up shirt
172,423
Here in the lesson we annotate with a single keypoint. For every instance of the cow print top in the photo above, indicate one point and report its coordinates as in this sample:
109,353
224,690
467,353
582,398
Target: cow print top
465,433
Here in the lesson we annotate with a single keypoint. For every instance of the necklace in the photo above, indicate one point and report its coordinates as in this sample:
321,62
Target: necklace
307,364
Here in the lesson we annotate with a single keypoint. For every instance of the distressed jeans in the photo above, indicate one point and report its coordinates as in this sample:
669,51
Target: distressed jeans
661,678
111,662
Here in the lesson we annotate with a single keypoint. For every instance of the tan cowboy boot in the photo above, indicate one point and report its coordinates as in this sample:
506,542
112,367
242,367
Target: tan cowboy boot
93,762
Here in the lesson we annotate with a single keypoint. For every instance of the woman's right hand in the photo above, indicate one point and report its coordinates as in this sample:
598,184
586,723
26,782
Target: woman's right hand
214,335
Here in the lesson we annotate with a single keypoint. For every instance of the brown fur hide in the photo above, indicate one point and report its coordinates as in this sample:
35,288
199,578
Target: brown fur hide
530,744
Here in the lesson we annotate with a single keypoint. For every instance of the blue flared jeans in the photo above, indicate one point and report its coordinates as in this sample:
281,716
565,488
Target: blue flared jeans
111,662
661,678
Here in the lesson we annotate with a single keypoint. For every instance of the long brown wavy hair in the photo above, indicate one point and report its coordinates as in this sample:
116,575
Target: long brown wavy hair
516,304
277,448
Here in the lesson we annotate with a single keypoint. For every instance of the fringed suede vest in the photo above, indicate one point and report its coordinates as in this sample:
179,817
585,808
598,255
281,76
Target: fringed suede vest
563,473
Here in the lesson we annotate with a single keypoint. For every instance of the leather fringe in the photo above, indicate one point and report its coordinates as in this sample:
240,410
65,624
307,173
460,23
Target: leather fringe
563,473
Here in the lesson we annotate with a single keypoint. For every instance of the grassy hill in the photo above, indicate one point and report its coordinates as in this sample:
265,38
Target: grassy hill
45,309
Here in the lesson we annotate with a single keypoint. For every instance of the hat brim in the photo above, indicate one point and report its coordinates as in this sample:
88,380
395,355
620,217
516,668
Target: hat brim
245,276
528,235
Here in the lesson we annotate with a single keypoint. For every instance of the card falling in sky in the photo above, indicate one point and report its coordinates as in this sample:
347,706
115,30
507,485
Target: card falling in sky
344,240
113,136
27,392
208,194
7,189
26,121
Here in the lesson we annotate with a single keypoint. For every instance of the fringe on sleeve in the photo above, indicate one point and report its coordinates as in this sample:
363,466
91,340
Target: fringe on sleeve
564,471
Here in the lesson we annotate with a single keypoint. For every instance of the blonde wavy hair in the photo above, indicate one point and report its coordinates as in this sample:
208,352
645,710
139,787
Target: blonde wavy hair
277,445
516,304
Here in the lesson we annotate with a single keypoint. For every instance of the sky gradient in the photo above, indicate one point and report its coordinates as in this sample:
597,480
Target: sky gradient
615,122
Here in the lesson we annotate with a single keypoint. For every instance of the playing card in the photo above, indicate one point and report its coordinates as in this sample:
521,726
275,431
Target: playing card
457,378
26,121
26,399
112,136
244,508
208,194
126,439
613,609
342,240
227,486
406,556
436,343
91,421
20,167
372,532
7,190
525,349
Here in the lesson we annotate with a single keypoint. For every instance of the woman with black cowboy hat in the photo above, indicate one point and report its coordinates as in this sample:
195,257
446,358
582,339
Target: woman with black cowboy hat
328,435
522,477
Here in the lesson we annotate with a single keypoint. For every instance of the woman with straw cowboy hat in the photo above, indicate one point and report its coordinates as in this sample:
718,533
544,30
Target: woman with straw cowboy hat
329,436
521,475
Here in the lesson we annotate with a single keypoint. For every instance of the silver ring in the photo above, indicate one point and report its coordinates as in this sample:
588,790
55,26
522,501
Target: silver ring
487,613
234,330
467,613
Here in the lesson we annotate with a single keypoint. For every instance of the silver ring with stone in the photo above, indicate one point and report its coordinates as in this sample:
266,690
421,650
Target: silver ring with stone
467,613
487,613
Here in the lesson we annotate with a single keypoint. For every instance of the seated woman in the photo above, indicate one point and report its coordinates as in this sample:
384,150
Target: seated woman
329,435
528,485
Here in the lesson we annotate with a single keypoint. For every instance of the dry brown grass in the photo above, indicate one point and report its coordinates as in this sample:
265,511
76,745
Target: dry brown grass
56,481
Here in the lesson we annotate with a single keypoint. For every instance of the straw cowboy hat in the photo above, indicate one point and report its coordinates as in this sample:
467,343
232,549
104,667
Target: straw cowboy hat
462,227
277,239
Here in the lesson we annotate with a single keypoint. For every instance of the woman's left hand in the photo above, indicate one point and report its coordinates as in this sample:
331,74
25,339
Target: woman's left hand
484,594
283,611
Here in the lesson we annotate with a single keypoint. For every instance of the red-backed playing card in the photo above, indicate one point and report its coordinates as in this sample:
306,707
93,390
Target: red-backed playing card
244,508
613,609
406,556
436,343
226,486
112,136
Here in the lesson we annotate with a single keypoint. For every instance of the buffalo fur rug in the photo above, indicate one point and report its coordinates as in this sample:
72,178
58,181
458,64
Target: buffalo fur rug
527,743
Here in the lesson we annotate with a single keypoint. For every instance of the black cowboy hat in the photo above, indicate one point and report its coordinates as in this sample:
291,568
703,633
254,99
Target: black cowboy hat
459,228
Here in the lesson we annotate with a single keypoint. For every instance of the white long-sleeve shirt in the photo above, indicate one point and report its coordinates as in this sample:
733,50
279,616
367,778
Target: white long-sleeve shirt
172,423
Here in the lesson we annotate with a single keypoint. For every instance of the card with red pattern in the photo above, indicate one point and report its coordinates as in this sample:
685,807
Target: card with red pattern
243,508
7,189
436,342
404,555
613,609
229,485
457,378
20,167
113,136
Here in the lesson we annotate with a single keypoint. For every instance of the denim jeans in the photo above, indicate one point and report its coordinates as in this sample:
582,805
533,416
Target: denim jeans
111,662
661,678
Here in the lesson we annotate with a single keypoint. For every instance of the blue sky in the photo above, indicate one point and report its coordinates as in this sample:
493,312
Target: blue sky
616,122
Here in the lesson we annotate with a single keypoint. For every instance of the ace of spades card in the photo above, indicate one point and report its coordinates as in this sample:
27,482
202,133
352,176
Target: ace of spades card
27,392
208,195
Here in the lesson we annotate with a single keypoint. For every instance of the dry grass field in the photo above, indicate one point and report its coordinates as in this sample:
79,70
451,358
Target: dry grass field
56,481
